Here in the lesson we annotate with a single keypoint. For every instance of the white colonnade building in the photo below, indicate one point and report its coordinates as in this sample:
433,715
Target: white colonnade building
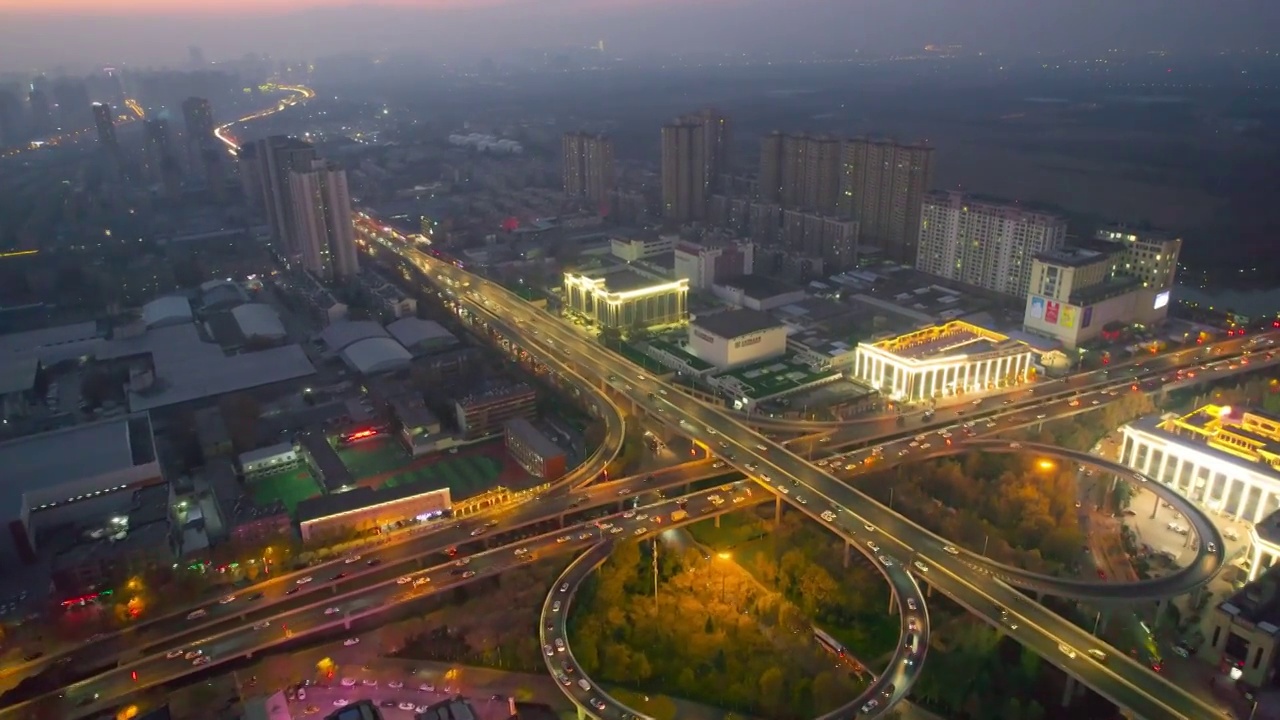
1222,458
943,360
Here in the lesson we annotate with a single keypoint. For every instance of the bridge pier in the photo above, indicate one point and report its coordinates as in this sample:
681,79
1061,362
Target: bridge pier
1155,506
346,623
582,713
1068,691
848,553
893,602
718,520
777,509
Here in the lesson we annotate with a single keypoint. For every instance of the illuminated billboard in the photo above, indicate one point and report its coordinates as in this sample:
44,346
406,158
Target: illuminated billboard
1037,307
1162,299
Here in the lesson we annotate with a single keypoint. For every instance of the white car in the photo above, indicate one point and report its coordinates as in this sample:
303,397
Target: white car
341,702
921,566
427,687
348,682
642,517
563,539
305,580
555,606
197,614
193,655
1067,650
407,706
262,625
874,547
404,580
227,599
202,660
351,641
352,559
463,562
911,604
869,528
559,645
332,611
629,514
550,651
640,531
828,516
174,654
886,560
521,551
950,550
477,532
369,682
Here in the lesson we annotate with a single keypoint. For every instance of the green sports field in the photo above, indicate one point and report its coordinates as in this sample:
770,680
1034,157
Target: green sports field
464,475
290,488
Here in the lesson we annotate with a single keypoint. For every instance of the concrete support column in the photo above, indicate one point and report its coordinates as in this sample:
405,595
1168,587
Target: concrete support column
893,602
848,554
1068,691
777,509
1155,505
718,520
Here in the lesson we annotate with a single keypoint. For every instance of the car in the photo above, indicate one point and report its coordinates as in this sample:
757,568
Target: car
629,514
1041,416
255,596
874,547
911,604
521,551
801,500
555,606
564,587
585,536
426,687
262,625
870,706
341,702
624,492
332,610
348,682
404,580
598,704
304,580
311,710
292,590
640,531
351,641
351,559
1097,654
373,562
369,682
202,660
462,562
642,517
886,560
550,651
920,566
337,577
950,550
174,654
192,655
1211,547
564,679
197,614
477,532
869,527
227,599
559,645
615,530
1067,650
421,581
563,539
468,574
422,709
407,706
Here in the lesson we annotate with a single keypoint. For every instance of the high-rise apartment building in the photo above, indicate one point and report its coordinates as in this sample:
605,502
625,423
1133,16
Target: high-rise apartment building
322,213
588,166
705,264
11,129
197,118
883,184
986,244
42,122
695,155
105,123
833,239
684,195
1149,255
278,156
800,171
160,160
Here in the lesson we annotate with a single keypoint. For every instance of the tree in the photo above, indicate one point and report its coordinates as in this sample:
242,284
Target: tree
1012,710
773,691
828,693
1033,711
242,413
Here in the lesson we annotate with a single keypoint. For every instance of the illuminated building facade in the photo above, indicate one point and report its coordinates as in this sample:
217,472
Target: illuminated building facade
1225,459
623,298
943,360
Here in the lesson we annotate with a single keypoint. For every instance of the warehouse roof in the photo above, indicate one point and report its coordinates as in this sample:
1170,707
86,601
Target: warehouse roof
375,355
736,323
169,310
412,331
338,336
258,320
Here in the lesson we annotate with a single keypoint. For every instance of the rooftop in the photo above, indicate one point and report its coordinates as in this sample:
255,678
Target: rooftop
324,506
495,394
18,374
947,340
411,331
759,287
258,320
169,310
188,368
736,323
1073,256
50,344
375,355
533,437
333,473
339,335
1257,603
775,377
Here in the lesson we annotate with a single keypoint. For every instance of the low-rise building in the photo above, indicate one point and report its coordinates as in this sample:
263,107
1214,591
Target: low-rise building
324,462
633,245
757,292
736,337
535,452
618,296
1246,632
704,265
1226,459
271,460
485,413
364,510
943,360
212,433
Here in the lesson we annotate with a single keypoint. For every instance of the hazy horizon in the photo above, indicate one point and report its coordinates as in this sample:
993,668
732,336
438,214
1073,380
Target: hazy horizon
134,32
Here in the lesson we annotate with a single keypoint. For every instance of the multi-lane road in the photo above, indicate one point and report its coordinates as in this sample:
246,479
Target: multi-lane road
334,603
1143,692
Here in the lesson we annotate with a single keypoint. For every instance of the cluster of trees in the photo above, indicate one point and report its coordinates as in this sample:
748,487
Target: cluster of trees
975,676
1003,503
710,633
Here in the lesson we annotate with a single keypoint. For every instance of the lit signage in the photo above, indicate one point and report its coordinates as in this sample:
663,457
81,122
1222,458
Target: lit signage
360,435
754,340
1037,307
1162,299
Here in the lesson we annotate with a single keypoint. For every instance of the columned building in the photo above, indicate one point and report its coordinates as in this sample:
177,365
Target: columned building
621,298
1222,458
943,360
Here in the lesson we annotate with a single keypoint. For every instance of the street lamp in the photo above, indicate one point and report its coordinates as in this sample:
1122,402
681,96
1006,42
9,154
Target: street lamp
1045,465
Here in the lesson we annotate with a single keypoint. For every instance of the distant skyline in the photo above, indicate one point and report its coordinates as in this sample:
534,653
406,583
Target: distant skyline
44,33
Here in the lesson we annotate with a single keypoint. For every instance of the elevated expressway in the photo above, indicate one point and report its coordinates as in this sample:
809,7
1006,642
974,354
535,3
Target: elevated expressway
251,628
1126,684
1115,375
